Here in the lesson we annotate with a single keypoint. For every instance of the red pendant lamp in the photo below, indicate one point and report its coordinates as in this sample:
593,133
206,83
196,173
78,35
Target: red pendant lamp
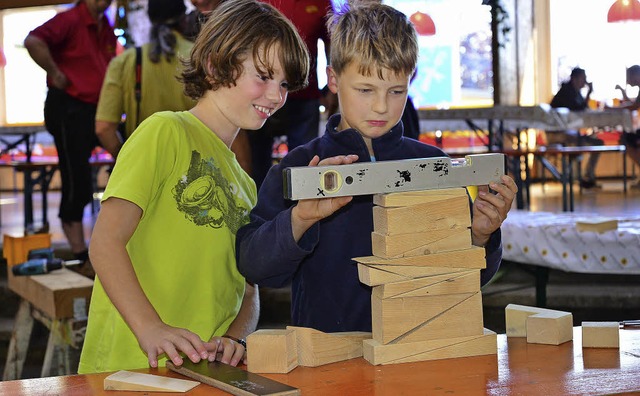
424,24
624,10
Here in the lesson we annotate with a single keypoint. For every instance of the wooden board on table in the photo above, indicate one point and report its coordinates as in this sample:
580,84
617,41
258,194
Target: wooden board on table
316,348
131,381
232,379
410,198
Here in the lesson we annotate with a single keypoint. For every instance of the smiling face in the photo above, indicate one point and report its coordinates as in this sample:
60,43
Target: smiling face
255,95
369,104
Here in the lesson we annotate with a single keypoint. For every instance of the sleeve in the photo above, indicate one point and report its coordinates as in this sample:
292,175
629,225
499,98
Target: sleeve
266,252
157,140
55,31
493,254
111,102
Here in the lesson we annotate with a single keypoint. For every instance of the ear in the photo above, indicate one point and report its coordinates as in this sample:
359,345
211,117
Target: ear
332,80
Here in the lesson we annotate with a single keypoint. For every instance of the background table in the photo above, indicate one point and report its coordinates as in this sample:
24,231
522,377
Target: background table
518,369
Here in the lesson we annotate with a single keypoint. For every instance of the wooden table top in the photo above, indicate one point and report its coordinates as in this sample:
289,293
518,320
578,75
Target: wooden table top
518,368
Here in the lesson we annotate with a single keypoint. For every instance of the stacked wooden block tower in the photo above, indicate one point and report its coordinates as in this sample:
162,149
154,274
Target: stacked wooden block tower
425,274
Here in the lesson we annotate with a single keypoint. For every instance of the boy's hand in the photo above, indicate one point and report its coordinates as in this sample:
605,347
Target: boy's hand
490,210
162,338
308,211
226,351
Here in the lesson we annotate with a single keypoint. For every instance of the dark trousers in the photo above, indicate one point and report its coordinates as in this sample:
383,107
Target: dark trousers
72,124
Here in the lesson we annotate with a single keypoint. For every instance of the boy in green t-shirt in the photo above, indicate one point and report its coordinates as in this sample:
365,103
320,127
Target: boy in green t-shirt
163,245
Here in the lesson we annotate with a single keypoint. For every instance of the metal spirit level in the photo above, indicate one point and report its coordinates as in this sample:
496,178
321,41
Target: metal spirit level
306,182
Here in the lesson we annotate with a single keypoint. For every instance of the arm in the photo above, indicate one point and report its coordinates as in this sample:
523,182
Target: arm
116,223
108,135
623,91
40,53
288,237
229,351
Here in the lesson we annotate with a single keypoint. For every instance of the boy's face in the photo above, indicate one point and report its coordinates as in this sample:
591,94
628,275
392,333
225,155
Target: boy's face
368,104
255,96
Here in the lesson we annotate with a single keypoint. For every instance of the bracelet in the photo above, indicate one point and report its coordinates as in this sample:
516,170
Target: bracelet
238,340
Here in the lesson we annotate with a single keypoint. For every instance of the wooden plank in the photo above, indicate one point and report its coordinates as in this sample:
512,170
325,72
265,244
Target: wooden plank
373,275
232,379
598,225
54,293
130,381
474,257
420,243
455,347
467,281
410,198
600,335
410,319
316,348
423,217
272,351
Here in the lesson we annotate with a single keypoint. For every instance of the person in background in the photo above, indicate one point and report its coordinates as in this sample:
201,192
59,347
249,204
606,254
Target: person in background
570,96
74,48
310,243
196,18
167,285
299,119
159,88
631,138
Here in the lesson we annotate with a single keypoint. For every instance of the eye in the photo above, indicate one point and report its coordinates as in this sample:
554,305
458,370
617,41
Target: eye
263,77
363,90
284,85
398,92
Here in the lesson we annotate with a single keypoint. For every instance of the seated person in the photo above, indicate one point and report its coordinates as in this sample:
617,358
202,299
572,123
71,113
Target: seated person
630,139
570,97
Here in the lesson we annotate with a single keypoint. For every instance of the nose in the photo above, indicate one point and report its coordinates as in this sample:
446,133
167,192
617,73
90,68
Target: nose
275,93
380,104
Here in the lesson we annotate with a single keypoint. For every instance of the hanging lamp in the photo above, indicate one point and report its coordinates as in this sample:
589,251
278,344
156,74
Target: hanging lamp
624,10
423,23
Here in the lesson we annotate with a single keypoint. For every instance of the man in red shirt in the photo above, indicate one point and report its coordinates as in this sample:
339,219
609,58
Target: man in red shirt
299,118
74,48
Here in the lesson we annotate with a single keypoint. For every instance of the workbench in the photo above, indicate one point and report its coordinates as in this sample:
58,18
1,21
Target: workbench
517,369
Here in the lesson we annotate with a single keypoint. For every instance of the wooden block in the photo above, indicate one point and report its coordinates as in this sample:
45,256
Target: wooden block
423,217
516,318
409,319
233,380
420,243
600,335
598,225
16,248
130,381
467,281
474,257
272,351
372,274
552,328
447,348
316,348
410,198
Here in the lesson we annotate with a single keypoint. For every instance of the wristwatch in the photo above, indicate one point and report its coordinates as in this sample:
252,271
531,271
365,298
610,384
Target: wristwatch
238,340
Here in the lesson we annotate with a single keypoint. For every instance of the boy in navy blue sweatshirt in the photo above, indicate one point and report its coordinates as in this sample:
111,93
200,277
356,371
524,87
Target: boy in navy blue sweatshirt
311,243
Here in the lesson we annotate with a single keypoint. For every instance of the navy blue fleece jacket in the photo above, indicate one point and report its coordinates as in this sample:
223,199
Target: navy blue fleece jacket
326,292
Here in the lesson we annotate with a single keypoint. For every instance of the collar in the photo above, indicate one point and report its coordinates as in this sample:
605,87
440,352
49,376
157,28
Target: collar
353,141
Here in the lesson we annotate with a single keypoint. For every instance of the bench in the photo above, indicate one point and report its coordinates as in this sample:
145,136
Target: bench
38,173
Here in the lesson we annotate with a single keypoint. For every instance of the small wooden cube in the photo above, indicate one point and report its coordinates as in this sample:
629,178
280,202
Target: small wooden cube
600,335
272,351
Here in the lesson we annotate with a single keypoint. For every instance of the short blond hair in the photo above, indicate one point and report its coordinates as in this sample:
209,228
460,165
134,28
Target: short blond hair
373,36
237,29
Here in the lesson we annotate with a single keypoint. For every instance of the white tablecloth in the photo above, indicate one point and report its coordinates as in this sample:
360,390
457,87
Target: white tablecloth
552,240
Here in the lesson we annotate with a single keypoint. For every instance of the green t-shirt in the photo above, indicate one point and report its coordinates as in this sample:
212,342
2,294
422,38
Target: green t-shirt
160,90
194,196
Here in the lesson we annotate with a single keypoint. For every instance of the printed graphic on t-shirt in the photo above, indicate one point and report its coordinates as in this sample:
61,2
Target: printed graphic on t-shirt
207,198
